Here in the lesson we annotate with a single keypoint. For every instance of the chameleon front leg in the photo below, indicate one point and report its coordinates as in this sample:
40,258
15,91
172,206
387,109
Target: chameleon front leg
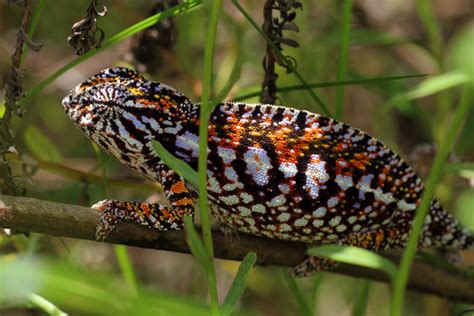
152,215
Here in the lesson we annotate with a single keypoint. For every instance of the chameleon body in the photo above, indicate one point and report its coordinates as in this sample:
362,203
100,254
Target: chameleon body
272,171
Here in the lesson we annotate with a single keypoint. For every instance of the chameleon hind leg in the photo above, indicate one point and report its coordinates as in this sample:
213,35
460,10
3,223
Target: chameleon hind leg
152,215
375,240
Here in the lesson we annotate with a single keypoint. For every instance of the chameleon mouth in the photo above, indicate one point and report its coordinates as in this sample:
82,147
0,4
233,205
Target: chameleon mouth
71,106
77,111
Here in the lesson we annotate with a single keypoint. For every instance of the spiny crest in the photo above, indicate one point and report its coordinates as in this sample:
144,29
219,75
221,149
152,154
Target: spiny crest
112,75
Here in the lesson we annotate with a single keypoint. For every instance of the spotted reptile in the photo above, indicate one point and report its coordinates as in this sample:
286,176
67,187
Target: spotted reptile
273,171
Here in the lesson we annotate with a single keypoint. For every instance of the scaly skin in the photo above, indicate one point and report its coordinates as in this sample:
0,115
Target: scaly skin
273,171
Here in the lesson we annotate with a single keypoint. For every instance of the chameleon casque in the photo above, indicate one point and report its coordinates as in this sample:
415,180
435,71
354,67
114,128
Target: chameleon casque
272,171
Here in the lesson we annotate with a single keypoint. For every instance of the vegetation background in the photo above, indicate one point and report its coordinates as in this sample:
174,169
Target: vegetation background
387,38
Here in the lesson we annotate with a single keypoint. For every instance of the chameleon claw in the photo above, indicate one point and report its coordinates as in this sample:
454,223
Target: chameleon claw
312,265
108,219
228,231
101,206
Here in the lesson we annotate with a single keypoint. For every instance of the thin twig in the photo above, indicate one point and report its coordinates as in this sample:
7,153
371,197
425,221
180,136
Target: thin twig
13,92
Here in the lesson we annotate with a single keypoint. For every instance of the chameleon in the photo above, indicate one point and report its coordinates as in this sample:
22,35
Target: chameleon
273,171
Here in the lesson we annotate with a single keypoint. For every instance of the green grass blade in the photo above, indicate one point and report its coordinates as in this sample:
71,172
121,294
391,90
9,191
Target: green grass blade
40,145
178,165
428,87
437,84
126,266
295,290
314,291
117,38
459,167
239,283
341,70
45,305
233,78
206,106
431,183
288,63
424,9
356,256
360,305
195,245
332,84
463,169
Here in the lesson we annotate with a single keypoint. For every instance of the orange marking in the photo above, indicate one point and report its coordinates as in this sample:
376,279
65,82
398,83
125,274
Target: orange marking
145,208
184,202
178,187
379,237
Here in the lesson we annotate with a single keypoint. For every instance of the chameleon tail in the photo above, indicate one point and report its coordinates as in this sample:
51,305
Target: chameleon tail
442,230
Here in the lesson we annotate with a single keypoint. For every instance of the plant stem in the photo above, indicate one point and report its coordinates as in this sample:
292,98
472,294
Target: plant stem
126,267
329,84
215,8
313,95
303,304
341,72
45,305
417,226
31,31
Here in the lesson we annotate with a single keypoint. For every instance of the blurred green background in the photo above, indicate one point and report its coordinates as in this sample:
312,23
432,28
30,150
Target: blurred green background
387,38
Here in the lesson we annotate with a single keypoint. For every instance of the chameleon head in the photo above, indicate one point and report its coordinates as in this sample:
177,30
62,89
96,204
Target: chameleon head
101,98
121,111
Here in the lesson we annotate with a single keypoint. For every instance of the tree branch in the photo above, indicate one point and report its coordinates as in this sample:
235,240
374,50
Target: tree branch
32,215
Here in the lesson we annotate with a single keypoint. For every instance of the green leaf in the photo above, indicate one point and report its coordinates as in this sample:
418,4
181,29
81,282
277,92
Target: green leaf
45,305
239,283
464,209
19,276
424,8
461,51
196,246
40,145
460,167
356,256
178,165
437,84
98,292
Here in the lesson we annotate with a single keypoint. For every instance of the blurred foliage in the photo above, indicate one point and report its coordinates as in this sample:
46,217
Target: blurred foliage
386,39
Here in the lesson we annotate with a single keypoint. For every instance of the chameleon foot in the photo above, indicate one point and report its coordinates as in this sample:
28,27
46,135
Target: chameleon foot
151,215
312,265
110,217
229,232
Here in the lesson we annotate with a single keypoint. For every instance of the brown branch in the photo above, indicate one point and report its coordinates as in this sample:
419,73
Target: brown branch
32,215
